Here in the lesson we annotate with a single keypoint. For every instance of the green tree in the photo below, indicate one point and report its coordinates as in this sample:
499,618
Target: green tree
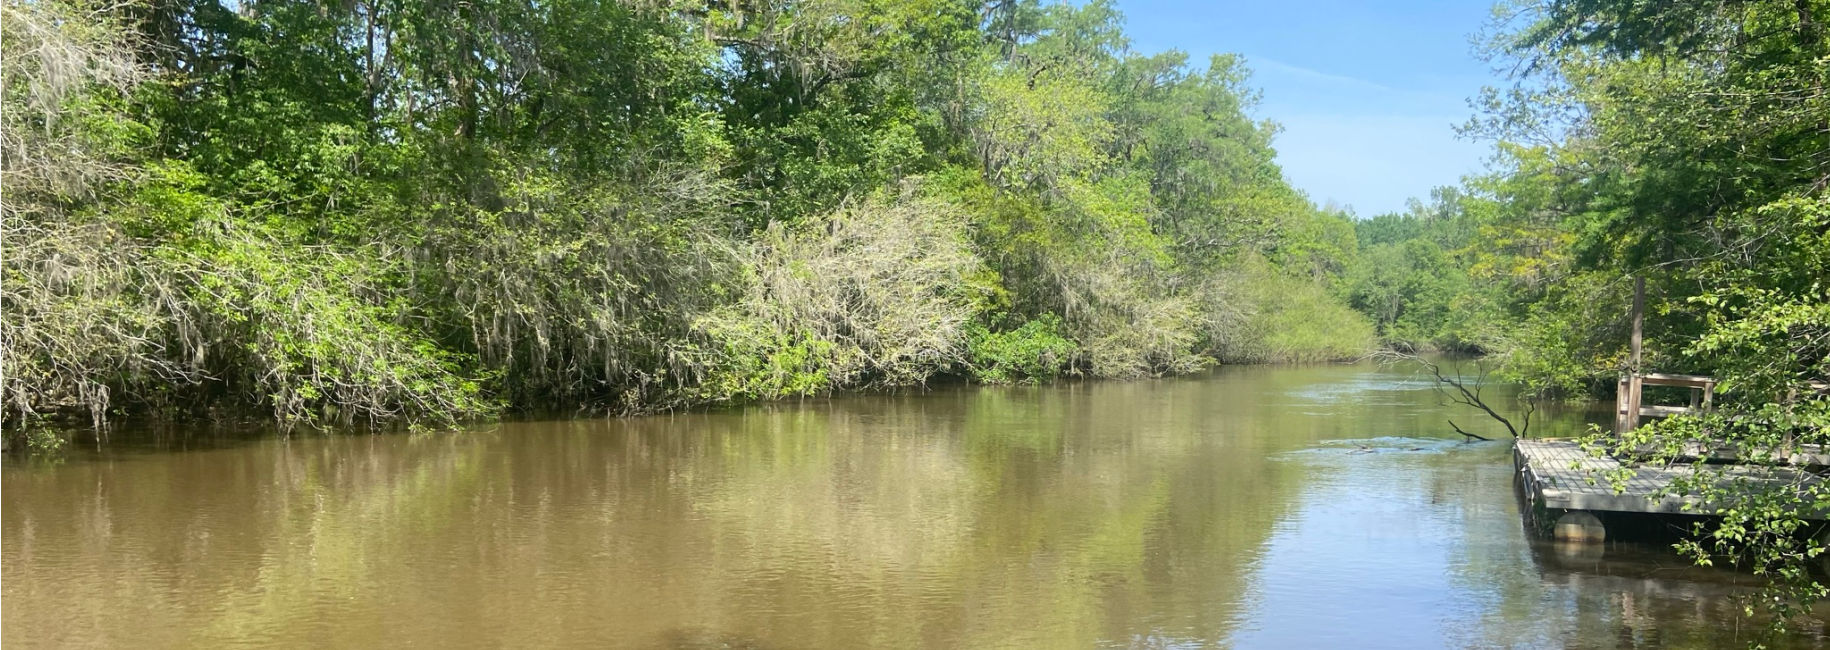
1686,144
385,211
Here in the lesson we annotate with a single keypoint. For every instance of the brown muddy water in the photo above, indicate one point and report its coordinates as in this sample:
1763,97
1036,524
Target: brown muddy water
1318,506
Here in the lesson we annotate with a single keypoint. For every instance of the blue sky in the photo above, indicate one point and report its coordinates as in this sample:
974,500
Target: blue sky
1368,92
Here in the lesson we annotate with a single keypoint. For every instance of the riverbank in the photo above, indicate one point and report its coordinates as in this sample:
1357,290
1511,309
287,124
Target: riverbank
54,433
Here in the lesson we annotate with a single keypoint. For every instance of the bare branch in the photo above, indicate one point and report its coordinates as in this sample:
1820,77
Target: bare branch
1459,430
1456,388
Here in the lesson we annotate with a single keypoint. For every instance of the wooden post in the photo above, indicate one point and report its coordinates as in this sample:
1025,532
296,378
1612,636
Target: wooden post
1639,323
1620,404
1628,398
1636,389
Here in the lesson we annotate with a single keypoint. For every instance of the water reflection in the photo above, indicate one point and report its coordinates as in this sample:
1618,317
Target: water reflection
1309,506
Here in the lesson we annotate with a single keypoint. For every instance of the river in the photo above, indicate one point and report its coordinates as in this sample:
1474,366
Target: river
1306,506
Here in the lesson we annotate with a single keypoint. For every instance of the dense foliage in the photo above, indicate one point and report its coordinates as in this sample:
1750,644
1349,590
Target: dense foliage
382,211
1683,143
390,211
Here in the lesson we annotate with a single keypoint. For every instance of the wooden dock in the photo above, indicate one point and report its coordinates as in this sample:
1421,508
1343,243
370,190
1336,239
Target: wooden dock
1570,489
1569,492
1559,478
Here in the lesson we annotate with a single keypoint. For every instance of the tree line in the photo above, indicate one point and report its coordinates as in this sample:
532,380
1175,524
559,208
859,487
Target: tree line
384,211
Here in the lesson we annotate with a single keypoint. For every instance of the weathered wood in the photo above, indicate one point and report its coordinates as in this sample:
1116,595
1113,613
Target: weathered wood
1620,406
1636,394
1656,411
1795,455
1669,379
1639,322
1630,405
1557,474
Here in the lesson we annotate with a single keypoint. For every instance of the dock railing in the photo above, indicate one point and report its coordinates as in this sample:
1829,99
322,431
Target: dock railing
1630,408
1629,401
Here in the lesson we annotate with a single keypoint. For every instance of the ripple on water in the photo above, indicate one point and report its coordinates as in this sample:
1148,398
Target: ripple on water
1379,445
1360,388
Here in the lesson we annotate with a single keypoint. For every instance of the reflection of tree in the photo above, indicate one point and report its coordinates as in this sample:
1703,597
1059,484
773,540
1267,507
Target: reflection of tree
1043,517
1034,516
203,548
1070,515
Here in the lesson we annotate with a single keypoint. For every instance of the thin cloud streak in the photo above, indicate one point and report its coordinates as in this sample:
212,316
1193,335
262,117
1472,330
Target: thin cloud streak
1269,64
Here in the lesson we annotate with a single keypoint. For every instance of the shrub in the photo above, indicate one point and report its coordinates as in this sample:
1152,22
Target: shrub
584,294
1127,326
313,333
1033,352
877,294
86,321
95,318
1255,314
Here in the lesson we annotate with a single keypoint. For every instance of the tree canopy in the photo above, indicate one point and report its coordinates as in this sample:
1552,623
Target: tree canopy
387,211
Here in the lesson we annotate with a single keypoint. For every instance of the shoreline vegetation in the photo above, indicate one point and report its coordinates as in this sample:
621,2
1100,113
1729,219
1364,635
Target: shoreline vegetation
419,214
424,212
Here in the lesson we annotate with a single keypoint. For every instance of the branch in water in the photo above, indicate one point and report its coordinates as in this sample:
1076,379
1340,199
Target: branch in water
1459,430
1461,394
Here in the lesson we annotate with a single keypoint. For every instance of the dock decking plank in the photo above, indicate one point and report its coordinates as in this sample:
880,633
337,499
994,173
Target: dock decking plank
1560,475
